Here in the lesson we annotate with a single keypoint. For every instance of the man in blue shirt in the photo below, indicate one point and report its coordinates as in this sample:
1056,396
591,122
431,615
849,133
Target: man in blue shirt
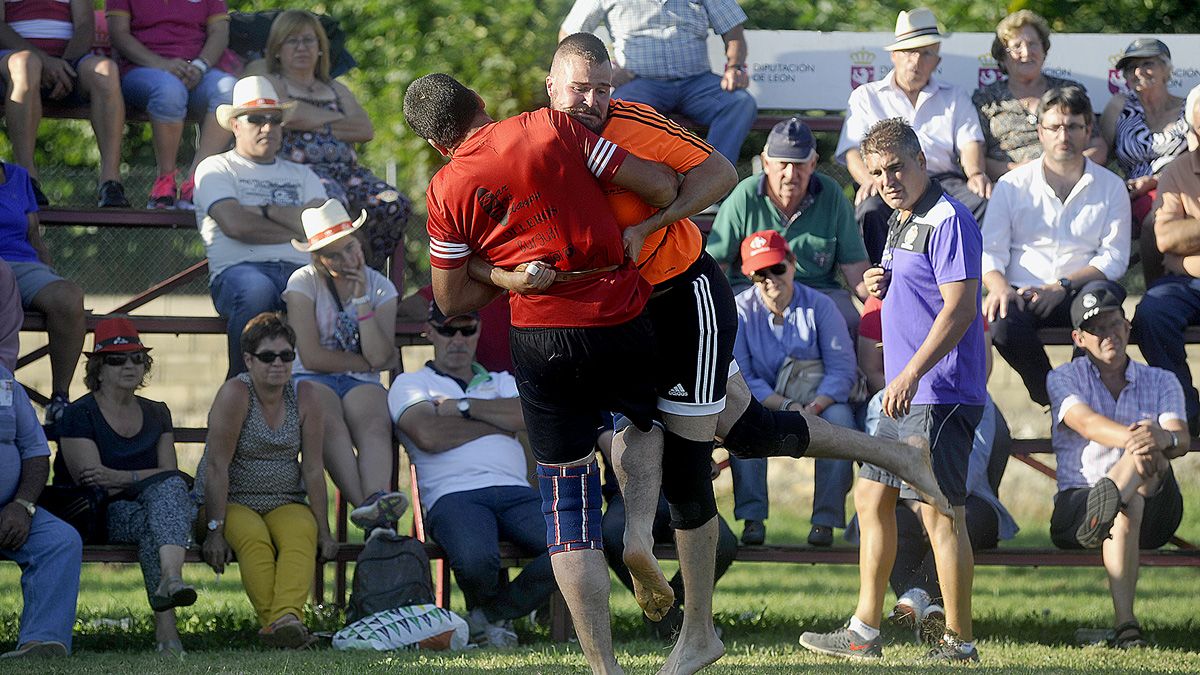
934,362
48,550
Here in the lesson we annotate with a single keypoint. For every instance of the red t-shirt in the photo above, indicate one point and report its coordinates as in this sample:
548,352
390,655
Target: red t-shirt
526,189
46,24
173,29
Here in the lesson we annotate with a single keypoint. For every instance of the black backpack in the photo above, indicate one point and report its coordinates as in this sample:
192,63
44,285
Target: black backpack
392,571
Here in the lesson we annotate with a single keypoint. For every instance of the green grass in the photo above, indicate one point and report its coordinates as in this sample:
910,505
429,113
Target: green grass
1026,620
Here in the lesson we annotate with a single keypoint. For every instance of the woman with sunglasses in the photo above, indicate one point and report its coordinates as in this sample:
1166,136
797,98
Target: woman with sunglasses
781,321
113,439
328,120
262,503
344,315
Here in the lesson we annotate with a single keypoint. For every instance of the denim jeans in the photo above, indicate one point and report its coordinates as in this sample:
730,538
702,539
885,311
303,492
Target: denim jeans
49,561
166,99
469,525
830,484
1168,307
727,114
243,291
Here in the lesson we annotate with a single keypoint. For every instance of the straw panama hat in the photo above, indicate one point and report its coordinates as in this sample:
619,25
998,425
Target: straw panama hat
326,224
252,94
915,28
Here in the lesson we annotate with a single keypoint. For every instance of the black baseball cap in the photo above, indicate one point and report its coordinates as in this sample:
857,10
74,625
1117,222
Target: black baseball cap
437,318
1142,48
1095,297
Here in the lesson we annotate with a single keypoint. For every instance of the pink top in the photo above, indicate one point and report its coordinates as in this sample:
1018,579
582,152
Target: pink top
173,29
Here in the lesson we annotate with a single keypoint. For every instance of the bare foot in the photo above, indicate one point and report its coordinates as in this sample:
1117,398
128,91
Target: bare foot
650,587
691,655
919,476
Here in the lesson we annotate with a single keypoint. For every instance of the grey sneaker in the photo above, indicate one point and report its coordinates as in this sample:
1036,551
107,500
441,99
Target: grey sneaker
843,643
381,509
949,650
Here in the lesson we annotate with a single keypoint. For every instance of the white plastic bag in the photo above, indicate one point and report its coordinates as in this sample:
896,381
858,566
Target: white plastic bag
412,627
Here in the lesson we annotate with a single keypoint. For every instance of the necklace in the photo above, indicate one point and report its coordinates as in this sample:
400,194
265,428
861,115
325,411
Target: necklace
309,88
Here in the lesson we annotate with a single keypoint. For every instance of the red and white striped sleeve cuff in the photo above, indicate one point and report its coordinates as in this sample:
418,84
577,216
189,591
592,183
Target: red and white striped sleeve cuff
605,159
447,254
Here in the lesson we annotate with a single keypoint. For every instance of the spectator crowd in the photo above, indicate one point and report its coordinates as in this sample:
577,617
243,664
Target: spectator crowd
802,317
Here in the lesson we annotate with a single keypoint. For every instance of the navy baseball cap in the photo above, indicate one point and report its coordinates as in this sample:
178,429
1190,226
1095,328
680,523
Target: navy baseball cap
791,141
437,318
1142,48
1095,297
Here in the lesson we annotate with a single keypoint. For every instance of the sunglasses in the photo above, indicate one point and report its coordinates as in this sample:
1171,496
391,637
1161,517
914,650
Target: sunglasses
261,120
776,270
138,358
451,331
269,357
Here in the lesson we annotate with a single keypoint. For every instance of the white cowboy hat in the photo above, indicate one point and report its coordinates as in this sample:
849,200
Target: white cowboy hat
915,28
252,94
326,224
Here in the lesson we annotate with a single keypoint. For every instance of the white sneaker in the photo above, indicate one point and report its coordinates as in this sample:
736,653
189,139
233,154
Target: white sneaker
501,635
910,608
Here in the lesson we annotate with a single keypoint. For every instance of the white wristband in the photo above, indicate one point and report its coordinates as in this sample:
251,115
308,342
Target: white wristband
200,64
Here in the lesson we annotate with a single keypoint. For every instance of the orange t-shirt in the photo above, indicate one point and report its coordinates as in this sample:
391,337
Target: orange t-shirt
647,134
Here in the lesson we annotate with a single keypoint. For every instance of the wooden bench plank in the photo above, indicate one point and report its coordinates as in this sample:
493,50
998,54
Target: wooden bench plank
171,219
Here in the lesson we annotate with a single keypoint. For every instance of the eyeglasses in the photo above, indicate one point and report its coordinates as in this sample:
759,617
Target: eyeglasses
451,331
307,41
1015,48
269,357
261,120
776,270
1070,128
117,360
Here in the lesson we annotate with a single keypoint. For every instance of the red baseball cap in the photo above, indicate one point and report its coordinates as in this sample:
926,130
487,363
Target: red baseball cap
116,335
763,249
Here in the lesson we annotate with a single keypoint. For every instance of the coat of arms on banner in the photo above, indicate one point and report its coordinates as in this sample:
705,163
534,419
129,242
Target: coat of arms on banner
1116,78
989,70
861,70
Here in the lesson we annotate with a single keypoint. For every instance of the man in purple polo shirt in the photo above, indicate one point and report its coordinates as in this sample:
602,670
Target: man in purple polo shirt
934,361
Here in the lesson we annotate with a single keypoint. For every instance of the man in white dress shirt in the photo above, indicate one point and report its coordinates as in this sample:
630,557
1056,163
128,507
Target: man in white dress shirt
1053,225
942,114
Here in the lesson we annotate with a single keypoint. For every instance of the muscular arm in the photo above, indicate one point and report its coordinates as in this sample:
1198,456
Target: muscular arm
457,293
657,184
435,433
1093,426
707,183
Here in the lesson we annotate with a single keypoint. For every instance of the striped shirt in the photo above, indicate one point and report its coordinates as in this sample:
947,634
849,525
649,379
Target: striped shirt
660,39
1149,394
46,24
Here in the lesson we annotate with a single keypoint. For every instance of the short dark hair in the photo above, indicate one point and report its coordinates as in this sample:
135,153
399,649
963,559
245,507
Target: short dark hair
1071,98
891,135
266,326
91,369
439,108
583,46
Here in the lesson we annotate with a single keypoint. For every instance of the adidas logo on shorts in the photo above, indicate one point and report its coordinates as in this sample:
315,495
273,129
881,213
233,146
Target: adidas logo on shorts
677,390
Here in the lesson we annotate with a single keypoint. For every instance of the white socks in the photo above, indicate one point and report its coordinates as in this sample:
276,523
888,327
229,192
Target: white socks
863,629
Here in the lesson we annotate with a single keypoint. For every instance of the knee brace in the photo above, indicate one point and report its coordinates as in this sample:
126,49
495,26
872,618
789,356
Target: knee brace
687,481
571,502
762,433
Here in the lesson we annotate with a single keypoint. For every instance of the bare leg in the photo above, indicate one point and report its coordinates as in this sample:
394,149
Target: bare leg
637,461
876,506
23,104
955,564
698,644
166,137
170,560
1121,559
99,78
164,626
213,139
340,461
62,303
366,415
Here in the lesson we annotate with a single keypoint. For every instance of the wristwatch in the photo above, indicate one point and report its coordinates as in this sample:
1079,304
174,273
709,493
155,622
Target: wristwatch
29,506
464,408
1065,283
214,524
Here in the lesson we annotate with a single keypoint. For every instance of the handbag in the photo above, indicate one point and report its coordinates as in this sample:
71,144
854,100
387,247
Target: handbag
83,507
798,379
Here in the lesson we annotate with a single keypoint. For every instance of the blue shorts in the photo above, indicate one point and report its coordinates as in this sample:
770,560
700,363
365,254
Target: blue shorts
32,277
340,383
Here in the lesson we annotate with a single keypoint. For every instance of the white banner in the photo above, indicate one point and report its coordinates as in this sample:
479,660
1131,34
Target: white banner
811,70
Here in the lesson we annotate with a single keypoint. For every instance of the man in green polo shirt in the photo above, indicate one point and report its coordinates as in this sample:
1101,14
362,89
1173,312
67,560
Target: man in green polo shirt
807,208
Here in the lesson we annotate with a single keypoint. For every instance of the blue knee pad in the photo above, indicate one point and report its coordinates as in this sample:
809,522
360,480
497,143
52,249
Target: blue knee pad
571,502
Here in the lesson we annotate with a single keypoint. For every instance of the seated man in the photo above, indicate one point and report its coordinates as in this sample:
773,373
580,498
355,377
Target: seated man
1053,225
942,115
1117,426
662,61
46,50
613,525
248,206
48,550
458,422
41,288
1173,302
805,206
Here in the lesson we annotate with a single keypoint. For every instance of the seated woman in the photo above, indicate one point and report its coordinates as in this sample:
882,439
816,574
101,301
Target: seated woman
782,323
1008,106
255,489
323,129
172,62
1146,129
344,315
114,439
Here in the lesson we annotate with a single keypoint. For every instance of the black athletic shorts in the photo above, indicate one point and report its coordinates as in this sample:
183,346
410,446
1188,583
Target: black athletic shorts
1161,515
569,378
695,322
